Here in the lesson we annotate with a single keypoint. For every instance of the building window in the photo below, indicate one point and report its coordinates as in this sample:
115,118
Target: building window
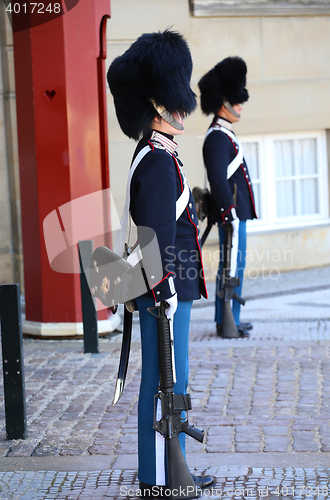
289,176
297,178
252,156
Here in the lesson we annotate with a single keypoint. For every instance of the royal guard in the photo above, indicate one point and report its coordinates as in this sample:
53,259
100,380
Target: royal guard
222,94
150,84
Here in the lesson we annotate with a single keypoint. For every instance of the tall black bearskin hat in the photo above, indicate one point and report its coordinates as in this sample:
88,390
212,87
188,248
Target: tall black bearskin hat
225,82
154,73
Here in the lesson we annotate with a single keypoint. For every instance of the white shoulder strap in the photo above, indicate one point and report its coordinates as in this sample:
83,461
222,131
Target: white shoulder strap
121,235
181,202
237,161
183,199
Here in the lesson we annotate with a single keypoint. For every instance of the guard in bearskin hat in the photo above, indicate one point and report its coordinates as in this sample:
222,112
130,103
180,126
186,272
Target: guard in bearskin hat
150,84
222,93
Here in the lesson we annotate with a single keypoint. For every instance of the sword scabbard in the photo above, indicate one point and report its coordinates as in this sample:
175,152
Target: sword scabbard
124,355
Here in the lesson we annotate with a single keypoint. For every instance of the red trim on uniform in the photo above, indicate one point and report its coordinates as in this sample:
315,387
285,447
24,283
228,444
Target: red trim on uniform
178,169
196,230
226,212
233,143
245,177
162,279
250,190
200,251
152,289
151,145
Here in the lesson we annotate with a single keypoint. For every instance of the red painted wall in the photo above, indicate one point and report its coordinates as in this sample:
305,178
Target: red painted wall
61,119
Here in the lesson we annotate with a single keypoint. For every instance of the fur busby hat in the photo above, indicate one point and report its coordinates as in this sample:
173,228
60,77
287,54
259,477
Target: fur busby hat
225,82
154,73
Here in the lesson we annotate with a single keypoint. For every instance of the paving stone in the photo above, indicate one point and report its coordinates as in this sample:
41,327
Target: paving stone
247,447
270,393
275,430
276,444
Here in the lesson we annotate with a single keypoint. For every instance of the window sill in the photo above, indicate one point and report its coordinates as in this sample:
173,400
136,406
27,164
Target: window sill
258,227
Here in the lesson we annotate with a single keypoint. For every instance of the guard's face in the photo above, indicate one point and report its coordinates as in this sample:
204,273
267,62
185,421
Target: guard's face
225,113
238,108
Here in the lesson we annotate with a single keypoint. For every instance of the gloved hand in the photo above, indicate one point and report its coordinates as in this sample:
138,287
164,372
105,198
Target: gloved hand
173,304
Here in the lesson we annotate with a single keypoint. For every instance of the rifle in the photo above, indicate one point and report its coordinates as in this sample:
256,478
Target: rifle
170,425
229,328
205,210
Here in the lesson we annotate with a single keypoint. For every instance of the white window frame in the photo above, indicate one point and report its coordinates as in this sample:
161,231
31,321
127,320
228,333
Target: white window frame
269,220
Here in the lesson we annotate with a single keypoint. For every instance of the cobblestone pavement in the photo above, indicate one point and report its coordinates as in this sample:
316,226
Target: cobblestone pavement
232,482
263,403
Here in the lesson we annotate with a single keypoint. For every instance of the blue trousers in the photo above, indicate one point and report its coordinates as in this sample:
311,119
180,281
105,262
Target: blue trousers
151,445
241,257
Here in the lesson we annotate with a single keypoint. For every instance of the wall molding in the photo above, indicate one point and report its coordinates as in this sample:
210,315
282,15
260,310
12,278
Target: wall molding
259,8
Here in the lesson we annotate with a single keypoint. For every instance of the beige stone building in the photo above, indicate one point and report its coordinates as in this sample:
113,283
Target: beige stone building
11,269
285,126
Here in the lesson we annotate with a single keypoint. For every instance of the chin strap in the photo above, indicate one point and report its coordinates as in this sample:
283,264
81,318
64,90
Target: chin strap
167,116
231,110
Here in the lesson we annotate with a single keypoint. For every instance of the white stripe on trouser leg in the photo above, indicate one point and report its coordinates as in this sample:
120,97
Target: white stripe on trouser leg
160,451
234,252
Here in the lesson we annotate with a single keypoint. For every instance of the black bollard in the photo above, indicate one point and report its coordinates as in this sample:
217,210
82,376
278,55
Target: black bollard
89,313
12,360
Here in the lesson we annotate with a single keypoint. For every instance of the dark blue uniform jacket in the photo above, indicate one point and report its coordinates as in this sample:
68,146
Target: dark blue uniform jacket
156,185
218,151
